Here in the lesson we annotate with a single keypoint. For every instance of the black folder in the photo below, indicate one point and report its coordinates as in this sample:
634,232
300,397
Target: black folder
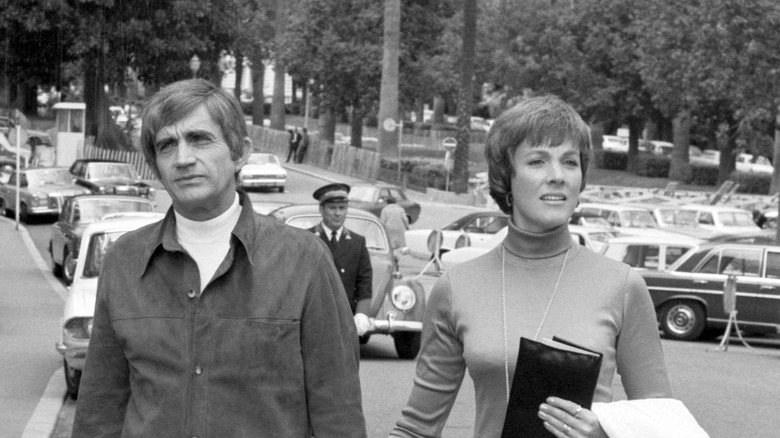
544,369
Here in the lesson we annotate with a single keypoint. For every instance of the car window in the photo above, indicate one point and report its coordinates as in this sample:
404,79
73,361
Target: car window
92,210
773,265
736,219
110,170
734,261
673,253
397,194
614,219
638,219
98,245
642,256
362,194
706,218
496,223
47,177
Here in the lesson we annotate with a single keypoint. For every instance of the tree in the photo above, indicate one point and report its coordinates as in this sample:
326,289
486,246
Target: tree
388,99
465,96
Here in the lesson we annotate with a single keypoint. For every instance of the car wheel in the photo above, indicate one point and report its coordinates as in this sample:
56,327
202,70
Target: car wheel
68,268
56,268
683,320
407,344
4,211
364,339
72,379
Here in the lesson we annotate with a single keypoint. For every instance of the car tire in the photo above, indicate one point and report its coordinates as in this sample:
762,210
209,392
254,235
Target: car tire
683,320
68,268
281,189
407,344
24,214
4,211
72,379
56,268
364,339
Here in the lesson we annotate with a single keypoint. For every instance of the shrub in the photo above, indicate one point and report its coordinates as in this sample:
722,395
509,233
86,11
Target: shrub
653,166
755,183
703,175
610,160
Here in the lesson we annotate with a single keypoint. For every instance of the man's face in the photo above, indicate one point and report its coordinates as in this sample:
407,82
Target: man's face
195,166
334,214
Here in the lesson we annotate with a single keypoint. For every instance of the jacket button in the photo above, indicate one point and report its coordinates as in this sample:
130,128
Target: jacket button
192,293
198,370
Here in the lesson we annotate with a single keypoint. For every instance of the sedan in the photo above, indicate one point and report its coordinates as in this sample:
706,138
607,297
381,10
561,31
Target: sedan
263,171
80,302
373,198
689,295
397,306
42,191
76,214
110,177
642,252
471,228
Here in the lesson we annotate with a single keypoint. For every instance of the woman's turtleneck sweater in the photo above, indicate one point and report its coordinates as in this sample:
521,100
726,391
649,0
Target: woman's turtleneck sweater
597,301
207,242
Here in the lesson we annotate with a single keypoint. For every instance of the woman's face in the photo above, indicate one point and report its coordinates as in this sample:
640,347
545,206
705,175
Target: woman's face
546,185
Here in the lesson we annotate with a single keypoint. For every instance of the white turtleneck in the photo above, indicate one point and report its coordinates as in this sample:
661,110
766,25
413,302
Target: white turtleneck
207,242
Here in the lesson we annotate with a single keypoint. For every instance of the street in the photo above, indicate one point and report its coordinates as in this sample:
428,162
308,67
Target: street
731,394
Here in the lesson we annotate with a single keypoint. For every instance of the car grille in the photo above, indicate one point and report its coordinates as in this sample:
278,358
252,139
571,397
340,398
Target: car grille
56,201
250,177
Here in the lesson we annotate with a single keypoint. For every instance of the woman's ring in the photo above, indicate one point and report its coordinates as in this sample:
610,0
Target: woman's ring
577,412
566,429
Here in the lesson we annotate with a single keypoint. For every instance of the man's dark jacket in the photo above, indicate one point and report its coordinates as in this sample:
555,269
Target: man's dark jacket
353,264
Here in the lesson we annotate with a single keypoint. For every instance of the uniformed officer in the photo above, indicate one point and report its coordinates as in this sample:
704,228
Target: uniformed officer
350,254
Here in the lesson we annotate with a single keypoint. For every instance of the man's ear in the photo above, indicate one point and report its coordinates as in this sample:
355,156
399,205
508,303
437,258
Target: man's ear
246,150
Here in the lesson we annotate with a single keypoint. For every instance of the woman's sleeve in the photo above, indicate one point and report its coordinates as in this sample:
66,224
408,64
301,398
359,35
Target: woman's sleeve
640,360
440,369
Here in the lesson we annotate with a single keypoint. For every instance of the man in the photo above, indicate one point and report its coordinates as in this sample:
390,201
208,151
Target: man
216,321
295,139
350,254
396,223
303,146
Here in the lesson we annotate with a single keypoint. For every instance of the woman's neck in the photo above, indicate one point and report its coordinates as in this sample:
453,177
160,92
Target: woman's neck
530,245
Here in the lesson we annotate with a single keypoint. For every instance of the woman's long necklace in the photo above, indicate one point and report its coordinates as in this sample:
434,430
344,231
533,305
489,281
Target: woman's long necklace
503,308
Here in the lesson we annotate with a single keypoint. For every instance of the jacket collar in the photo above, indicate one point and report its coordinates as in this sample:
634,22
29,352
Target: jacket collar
320,231
164,238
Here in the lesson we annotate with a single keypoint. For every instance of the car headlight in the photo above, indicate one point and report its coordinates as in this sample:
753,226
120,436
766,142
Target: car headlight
463,240
403,298
79,328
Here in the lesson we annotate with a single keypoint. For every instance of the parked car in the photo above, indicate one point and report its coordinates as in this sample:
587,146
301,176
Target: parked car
723,219
397,306
660,148
76,214
263,170
747,163
589,220
767,219
688,297
42,191
678,219
372,197
591,237
765,236
7,167
80,301
472,227
110,177
613,143
643,252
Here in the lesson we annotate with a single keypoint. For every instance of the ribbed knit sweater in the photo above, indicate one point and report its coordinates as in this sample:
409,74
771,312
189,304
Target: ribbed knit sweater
600,304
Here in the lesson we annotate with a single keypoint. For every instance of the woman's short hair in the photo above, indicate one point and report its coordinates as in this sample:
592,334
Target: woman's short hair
539,121
177,100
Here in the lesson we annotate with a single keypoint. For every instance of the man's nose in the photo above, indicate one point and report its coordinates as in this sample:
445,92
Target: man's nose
184,154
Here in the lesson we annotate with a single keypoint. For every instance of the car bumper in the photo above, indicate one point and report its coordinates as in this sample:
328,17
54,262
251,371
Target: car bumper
74,352
391,324
43,210
250,182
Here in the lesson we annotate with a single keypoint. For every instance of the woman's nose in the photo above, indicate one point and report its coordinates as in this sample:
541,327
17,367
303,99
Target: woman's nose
555,173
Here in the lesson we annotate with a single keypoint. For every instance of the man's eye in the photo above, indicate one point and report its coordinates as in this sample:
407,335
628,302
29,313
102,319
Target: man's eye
161,147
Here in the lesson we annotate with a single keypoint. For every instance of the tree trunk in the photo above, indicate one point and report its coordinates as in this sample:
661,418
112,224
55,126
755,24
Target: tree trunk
388,94
327,125
438,110
258,103
726,146
681,135
775,186
465,97
99,122
356,126
634,128
277,103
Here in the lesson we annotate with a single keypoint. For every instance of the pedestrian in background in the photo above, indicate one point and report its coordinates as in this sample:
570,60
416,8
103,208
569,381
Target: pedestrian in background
350,254
396,223
293,144
216,321
303,146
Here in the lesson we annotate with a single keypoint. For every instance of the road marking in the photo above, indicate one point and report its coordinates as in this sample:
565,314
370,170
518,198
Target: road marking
56,286
44,418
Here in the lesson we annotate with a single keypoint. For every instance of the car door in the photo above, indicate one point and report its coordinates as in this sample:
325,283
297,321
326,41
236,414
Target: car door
483,228
745,264
768,309
58,232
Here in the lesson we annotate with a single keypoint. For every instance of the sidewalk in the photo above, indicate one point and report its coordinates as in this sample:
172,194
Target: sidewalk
30,310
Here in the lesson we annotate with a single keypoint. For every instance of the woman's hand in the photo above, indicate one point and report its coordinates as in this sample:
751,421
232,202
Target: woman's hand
566,419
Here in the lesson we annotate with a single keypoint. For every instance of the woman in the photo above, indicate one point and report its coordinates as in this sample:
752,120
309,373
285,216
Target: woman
537,284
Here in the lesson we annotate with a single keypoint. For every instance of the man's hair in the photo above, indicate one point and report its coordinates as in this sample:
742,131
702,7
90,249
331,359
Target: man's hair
544,121
179,99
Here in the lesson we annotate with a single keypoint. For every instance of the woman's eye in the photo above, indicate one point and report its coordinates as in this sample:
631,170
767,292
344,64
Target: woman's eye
535,162
573,163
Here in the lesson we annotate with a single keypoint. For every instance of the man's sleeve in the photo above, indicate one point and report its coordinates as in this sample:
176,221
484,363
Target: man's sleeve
105,387
363,282
331,355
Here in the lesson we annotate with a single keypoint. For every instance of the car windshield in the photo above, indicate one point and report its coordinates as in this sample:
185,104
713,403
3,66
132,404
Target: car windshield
362,194
48,177
263,159
638,219
111,170
98,245
90,210
678,217
736,219
375,236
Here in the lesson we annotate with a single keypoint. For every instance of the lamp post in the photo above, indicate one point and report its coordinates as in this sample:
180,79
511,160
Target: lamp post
194,66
